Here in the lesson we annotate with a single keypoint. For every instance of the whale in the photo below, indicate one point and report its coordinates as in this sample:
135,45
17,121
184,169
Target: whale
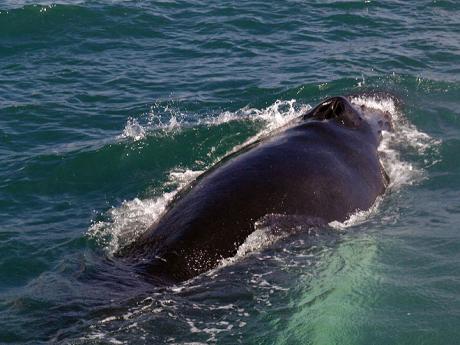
323,166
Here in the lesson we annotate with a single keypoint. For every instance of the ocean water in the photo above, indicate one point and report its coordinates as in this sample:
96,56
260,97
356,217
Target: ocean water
107,108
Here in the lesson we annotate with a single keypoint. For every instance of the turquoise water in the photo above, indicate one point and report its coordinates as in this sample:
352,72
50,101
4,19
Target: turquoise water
108,107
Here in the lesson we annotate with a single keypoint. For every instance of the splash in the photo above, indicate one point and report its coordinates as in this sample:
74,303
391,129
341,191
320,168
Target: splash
127,222
357,218
259,239
133,130
275,116
159,119
404,137
170,120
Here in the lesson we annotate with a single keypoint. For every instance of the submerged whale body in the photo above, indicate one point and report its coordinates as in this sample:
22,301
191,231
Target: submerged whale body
324,166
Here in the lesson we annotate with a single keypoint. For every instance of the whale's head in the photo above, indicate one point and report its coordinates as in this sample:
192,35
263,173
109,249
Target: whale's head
355,117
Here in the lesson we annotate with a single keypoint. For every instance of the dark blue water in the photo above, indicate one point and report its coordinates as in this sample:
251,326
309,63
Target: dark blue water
107,108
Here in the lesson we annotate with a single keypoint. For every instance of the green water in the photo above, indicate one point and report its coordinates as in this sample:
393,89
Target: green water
108,107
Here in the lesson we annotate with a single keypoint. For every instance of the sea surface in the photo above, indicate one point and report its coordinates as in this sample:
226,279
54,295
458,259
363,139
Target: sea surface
108,108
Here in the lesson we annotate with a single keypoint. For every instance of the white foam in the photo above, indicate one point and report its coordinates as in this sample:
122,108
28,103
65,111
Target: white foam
259,239
172,308
380,103
128,221
404,136
357,218
275,116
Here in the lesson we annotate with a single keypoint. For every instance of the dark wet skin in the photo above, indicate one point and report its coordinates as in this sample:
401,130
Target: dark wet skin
325,167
